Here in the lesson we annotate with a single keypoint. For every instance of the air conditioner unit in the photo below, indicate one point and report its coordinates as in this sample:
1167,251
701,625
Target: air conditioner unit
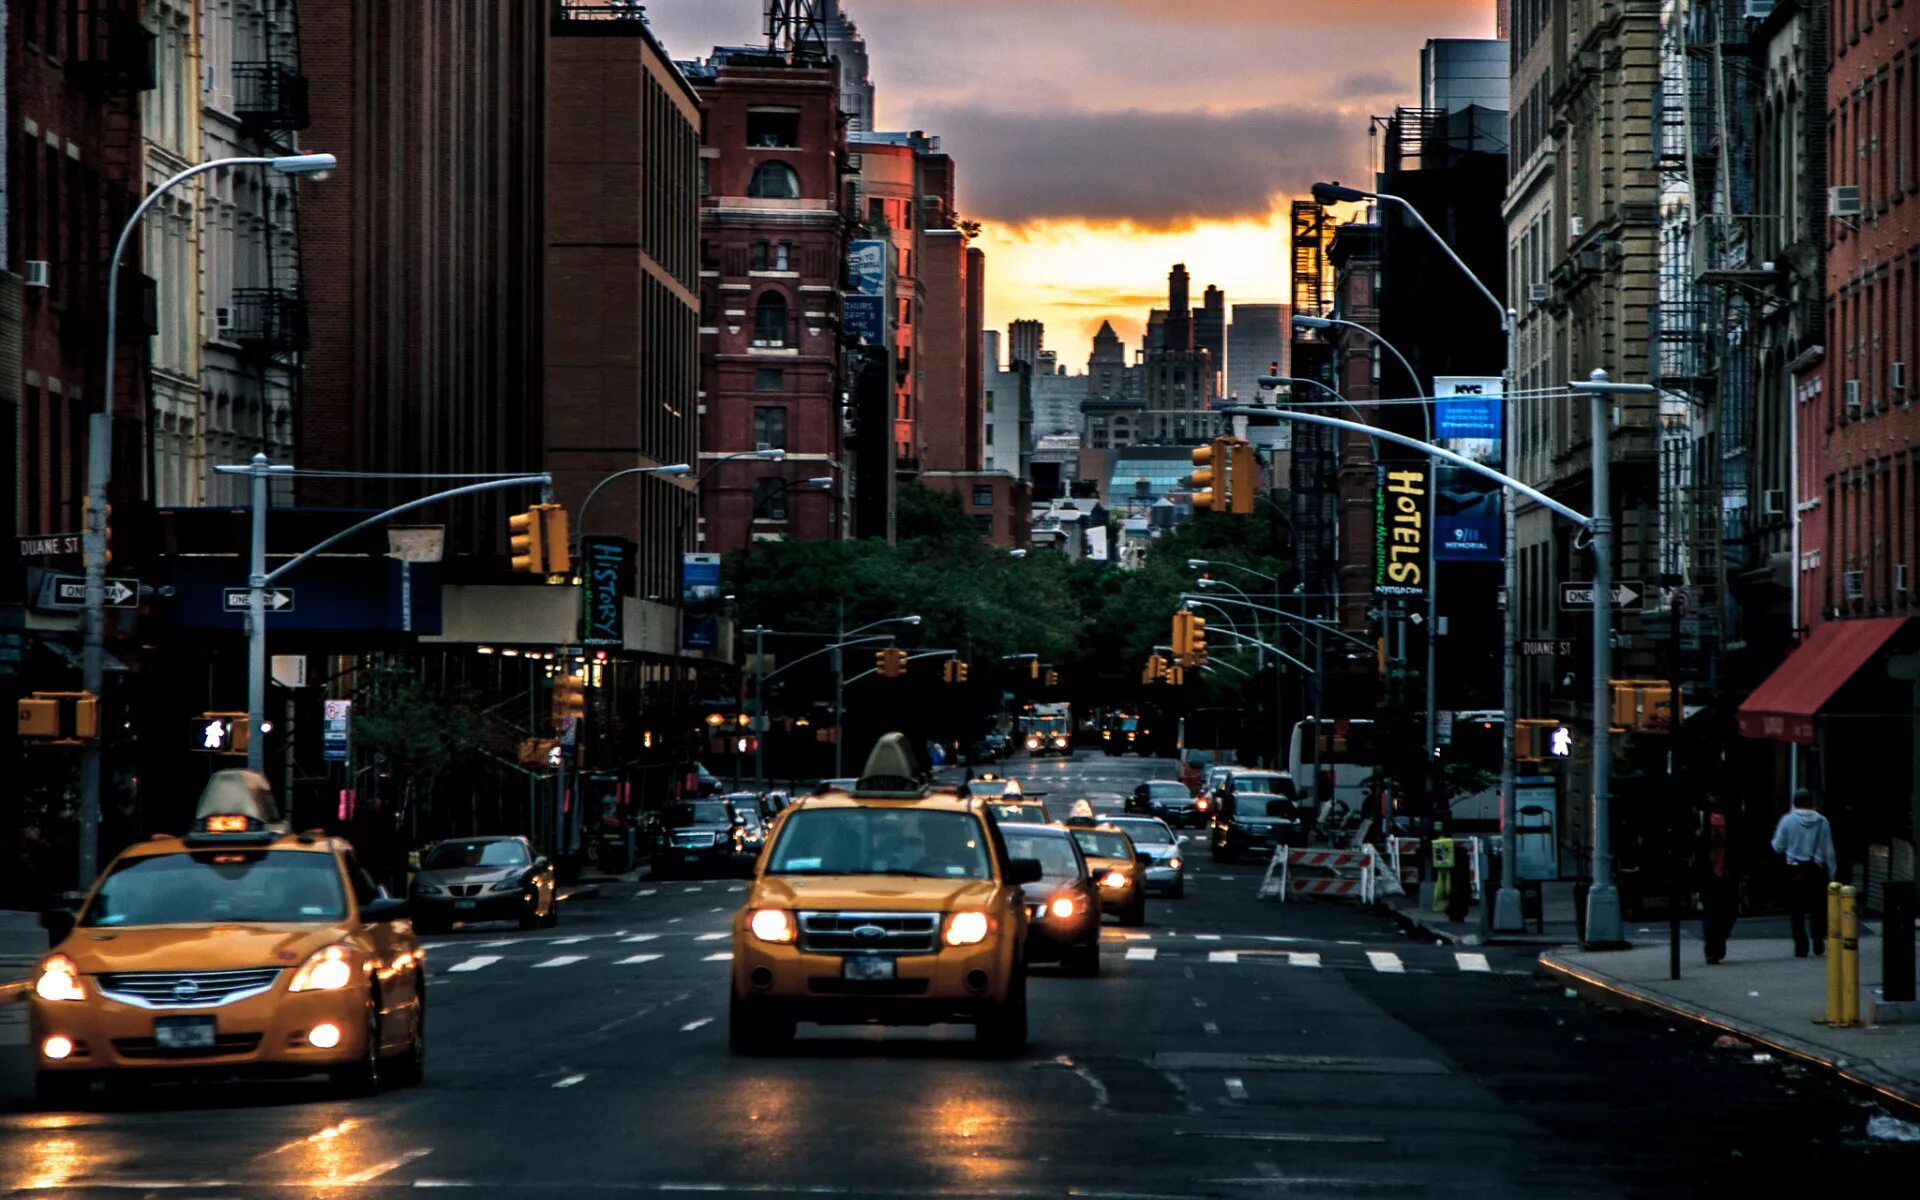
1773,503
1853,584
1590,259
1576,226
38,273
222,321
1897,376
1843,201
1899,579
1538,293
1853,397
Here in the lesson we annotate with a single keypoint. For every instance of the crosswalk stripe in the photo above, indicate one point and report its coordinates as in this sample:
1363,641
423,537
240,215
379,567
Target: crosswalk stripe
561,961
1223,956
634,960
690,1026
648,892
1303,958
640,937
1472,962
723,956
713,937
689,891
1207,937
738,887
1386,962
475,963
1141,953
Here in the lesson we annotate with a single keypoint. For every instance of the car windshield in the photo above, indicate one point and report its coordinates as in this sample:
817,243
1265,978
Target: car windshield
449,856
1021,814
1168,789
707,812
1147,833
1268,785
1101,844
988,787
874,841
257,887
1058,864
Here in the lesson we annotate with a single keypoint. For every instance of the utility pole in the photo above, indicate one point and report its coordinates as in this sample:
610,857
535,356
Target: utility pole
759,705
839,689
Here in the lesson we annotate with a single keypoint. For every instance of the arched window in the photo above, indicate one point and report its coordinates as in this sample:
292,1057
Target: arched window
774,181
770,320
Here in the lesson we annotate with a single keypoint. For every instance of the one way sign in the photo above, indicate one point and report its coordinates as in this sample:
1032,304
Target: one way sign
1579,596
239,600
70,591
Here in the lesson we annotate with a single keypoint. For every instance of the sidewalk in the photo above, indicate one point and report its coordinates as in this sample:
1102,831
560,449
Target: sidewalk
1761,993
1558,928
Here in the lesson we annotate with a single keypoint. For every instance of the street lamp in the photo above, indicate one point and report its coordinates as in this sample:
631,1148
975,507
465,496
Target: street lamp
1201,564
93,659
1506,913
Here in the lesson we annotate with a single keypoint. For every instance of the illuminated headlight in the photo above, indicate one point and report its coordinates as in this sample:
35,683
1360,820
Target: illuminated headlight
1174,863
1033,743
506,885
324,1036
1059,741
1063,906
57,1047
772,925
1130,737
428,889
59,980
327,970
1113,879
1201,804
967,928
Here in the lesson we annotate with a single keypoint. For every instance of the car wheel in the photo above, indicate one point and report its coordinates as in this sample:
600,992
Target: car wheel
1001,1029
411,1070
363,1077
553,913
531,919
752,1030
60,1089
1136,913
1179,889
1084,961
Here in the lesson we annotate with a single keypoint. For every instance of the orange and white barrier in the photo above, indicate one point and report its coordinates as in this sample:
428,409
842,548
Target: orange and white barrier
1341,874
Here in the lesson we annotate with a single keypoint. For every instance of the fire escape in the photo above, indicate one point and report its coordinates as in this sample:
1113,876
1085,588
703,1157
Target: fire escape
270,99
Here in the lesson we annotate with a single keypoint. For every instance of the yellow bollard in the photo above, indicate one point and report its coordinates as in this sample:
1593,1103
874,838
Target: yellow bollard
1849,959
1833,954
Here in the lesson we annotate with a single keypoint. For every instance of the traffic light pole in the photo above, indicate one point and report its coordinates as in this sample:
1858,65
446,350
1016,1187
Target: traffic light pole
259,579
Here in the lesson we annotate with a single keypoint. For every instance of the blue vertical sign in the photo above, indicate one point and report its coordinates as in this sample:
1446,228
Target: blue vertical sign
603,572
1468,420
700,598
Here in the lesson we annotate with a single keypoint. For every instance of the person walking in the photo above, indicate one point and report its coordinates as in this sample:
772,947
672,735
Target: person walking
1719,890
1805,839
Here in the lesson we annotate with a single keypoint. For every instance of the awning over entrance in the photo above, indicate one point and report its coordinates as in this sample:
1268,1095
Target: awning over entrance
1784,706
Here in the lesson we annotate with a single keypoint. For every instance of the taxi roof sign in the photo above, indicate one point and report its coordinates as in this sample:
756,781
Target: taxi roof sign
237,803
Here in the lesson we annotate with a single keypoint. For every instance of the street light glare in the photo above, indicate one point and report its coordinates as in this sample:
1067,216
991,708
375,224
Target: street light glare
304,164
1196,563
675,470
770,453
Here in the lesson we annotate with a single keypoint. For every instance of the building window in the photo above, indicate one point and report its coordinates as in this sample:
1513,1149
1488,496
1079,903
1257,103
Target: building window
769,379
770,320
770,499
773,130
774,181
982,495
877,213
984,523
769,427
772,256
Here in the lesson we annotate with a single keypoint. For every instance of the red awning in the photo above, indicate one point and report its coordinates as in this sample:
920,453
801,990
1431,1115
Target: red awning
1784,706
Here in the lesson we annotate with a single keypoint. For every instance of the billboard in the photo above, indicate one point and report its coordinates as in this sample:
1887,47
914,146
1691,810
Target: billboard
700,597
605,564
1400,529
867,267
1469,420
864,319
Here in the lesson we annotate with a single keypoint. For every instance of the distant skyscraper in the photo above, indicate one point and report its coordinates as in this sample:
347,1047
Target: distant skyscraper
844,40
1107,369
1210,330
1257,338
1025,340
1179,327
1155,337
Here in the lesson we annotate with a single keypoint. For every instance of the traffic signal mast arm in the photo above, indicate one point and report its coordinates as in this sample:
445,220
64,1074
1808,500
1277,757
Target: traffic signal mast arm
909,658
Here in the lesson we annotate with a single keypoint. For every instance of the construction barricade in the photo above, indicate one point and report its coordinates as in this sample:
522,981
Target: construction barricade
1339,874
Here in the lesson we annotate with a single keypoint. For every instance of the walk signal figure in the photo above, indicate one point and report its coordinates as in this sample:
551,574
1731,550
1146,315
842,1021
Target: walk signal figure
1560,742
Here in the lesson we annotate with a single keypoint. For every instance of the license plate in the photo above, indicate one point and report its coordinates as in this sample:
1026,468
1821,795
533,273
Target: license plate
466,904
692,857
183,1033
867,967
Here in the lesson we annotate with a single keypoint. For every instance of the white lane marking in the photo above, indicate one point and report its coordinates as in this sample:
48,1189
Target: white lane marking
688,891
1303,958
574,941
562,960
673,920
442,1183
378,1169
647,892
634,960
690,1026
475,963
637,938
1212,1029
713,937
1223,956
1141,953
1386,962
569,1081
1206,937
1236,1089
1472,962
723,956
738,887
716,908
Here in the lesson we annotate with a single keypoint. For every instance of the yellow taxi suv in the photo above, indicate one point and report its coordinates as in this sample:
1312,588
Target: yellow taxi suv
891,904
1117,868
237,949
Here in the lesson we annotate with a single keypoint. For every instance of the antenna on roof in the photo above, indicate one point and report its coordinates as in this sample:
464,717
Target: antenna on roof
794,28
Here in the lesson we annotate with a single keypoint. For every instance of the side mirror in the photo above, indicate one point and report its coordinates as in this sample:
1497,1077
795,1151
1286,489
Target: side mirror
385,910
1024,870
58,922
541,863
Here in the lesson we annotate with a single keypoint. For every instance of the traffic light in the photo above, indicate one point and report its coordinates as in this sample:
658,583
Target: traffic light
1646,705
891,662
526,541
554,538
60,716
219,733
950,672
1033,668
961,670
1053,679
1179,635
1196,641
1242,476
106,529
1537,738
1177,676
1211,460
569,698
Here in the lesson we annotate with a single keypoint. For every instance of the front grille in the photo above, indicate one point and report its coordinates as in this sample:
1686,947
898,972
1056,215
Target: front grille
224,1044
851,932
694,840
463,889
186,989
829,986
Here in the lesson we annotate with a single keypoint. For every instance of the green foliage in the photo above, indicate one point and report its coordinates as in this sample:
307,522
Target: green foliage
425,731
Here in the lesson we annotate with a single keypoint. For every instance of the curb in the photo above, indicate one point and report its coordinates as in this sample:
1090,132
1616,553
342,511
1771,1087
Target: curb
1889,1087
1409,920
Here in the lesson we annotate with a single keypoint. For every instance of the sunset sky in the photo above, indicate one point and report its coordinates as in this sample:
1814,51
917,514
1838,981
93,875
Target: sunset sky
1101,141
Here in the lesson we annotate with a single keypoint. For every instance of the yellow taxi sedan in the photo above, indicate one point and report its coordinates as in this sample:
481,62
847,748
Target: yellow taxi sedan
1116,866
237,949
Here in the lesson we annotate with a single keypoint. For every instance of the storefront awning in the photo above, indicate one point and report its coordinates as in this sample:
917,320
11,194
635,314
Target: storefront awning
1784,706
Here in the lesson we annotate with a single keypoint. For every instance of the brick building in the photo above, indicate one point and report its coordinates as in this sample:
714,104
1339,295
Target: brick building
773,252
952,386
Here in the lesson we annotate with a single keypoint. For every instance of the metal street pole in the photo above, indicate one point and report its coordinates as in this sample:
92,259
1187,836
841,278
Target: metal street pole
759,705
259,470
93,647
1507,914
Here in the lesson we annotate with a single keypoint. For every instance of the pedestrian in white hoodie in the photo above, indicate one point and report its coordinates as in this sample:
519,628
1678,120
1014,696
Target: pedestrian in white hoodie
1805,840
